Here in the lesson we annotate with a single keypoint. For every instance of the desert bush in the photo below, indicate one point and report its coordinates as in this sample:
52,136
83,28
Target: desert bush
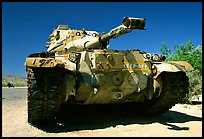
195,84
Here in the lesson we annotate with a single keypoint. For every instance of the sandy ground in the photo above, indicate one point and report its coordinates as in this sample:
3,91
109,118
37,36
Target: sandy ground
179,121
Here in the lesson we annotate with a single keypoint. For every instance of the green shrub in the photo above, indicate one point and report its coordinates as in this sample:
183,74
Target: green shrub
184,52
195,84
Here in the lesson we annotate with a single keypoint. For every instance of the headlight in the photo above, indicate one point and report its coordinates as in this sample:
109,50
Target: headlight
155,57
147,56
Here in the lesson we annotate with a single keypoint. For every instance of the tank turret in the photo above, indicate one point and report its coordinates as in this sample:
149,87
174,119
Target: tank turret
65,39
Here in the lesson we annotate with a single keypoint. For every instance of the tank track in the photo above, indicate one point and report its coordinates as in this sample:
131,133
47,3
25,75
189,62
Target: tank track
43,95
174,90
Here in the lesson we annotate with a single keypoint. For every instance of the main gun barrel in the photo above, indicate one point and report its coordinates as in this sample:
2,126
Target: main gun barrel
128,24
134,23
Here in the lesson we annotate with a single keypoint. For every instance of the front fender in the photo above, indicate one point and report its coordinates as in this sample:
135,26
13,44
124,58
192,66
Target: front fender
172,66
42,62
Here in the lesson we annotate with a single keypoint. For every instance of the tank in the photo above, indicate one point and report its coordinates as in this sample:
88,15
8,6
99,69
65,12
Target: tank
79,68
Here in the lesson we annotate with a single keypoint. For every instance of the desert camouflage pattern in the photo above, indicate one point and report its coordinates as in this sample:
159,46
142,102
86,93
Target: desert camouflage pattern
99,74
78,68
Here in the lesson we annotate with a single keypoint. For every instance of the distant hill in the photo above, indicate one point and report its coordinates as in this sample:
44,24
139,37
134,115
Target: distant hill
16,80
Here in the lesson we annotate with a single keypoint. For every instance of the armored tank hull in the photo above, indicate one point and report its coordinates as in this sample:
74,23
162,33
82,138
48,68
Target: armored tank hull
91,75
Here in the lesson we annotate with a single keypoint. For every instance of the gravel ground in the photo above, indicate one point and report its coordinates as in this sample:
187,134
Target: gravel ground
182,120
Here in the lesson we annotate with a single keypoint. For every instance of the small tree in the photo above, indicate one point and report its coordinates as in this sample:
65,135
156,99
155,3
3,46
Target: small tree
185,52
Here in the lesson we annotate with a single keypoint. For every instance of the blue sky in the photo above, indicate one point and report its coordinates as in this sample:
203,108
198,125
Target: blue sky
27,25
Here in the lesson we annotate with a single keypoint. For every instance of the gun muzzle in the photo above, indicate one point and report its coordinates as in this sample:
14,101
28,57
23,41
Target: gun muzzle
134,23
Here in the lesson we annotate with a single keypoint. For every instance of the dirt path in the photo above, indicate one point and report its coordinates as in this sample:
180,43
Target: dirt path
181,120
